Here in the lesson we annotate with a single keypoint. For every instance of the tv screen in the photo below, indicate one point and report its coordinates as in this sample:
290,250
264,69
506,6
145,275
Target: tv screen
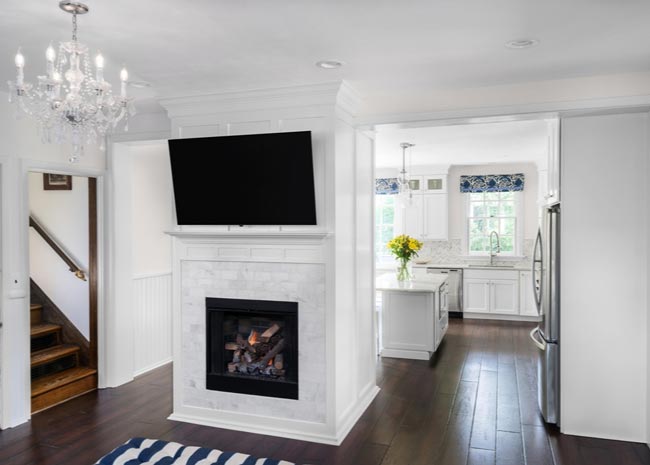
260,179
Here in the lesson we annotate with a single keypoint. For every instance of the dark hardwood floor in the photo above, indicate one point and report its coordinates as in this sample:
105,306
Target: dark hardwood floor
474,403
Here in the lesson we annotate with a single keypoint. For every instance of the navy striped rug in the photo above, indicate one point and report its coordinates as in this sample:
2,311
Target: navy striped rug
140,451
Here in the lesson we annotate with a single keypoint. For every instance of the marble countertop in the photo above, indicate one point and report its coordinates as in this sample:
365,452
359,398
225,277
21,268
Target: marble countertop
389,282
466,266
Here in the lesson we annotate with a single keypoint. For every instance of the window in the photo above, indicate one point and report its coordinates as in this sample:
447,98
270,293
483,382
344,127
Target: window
384,226
493,211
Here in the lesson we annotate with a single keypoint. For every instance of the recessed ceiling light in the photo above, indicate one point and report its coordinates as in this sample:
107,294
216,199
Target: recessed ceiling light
519,44
139,84
329,64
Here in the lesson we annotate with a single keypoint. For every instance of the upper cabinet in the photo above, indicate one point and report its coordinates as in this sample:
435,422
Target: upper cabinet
427,218
549,179
435,184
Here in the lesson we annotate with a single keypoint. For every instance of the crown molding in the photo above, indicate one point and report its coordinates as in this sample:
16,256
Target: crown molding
337,94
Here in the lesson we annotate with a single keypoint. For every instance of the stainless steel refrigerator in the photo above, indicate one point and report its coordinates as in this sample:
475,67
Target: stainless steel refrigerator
546,288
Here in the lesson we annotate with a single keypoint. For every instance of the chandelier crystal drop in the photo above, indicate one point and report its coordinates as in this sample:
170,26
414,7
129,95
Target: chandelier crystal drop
69,102
403,182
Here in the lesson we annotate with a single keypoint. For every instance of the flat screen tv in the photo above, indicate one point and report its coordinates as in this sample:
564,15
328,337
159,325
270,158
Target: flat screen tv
260,179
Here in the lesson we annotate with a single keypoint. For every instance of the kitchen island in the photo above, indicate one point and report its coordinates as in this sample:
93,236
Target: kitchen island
414,315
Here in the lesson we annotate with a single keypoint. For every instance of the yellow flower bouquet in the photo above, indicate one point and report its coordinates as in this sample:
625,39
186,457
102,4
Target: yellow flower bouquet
404,248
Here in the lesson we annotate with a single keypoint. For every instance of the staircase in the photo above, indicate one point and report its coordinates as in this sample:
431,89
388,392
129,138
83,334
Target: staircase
57,373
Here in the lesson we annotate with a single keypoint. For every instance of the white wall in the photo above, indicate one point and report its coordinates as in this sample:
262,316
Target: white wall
151,215
64,215
648,313
457,200
141,212
151,208
604,276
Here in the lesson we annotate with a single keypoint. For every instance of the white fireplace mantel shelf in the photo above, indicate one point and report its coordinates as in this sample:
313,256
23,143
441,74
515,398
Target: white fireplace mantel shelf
251,234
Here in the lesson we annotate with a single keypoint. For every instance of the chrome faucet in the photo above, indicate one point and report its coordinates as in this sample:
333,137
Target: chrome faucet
492,252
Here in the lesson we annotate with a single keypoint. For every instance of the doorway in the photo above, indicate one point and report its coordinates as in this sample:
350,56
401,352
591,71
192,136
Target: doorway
63,256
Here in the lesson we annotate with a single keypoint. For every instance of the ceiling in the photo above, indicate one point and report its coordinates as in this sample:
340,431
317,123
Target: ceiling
390,48
468,144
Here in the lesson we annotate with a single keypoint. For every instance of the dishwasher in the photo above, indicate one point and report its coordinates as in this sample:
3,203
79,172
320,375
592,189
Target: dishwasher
455,287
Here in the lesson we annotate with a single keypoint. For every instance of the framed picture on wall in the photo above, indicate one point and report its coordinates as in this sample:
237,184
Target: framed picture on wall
57,182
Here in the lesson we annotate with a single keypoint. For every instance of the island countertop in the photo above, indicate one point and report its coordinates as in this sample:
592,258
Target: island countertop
389,282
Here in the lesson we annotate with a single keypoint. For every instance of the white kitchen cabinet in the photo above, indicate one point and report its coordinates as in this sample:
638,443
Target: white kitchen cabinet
504,296
477,295
436,217
551,183
426,218
527,306
414,316
413,217
416,184
435,184
491,291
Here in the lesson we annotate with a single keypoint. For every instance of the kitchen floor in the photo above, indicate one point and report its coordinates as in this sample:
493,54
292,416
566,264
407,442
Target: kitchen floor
474,403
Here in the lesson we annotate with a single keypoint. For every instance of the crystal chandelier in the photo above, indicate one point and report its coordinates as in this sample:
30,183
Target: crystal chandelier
69,103
403,183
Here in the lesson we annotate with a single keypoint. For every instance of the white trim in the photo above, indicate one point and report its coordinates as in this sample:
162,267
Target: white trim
147,136
409,354
299,430
331,93
250,234
351,416
474,115
147,369
14,341
496,316
21,247
155,274
273,426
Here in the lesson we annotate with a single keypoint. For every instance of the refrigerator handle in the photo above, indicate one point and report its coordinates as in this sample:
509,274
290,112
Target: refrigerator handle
537,293
541,345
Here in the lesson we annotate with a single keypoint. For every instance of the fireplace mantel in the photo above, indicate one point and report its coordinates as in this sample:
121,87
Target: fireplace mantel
295,236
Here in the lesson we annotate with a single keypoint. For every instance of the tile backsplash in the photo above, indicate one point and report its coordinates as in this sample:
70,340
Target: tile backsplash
450,252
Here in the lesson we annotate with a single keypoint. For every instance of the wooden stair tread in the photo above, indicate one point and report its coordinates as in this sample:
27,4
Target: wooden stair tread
35,306
53,353
41,329
56,380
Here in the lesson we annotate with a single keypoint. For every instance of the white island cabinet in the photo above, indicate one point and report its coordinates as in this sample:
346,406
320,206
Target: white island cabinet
414,315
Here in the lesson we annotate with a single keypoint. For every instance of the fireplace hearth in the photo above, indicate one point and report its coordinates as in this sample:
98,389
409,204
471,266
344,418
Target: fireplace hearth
252,347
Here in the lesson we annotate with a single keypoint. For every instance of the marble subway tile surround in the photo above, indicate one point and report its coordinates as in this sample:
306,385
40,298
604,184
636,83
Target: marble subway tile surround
298,282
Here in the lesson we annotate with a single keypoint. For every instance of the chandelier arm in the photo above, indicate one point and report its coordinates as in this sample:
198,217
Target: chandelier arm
74,26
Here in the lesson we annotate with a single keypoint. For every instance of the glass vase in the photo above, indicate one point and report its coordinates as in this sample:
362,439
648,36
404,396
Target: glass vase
404,272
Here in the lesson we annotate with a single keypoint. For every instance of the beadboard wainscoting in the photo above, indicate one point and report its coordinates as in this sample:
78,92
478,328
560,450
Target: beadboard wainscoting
152,319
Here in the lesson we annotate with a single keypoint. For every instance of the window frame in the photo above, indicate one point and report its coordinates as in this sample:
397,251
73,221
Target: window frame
386,257
518,236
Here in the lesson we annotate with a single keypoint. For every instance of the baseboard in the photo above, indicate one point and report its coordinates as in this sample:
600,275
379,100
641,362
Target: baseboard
280,427
148,368
352,415
302,430
490,316
408,354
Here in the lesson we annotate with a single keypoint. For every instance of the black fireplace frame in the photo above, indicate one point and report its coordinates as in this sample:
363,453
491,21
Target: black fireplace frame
217,379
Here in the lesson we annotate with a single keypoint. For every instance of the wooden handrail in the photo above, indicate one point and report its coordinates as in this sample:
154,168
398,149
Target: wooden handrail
74,268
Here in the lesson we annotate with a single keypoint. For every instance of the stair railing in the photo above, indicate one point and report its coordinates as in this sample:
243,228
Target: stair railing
74,267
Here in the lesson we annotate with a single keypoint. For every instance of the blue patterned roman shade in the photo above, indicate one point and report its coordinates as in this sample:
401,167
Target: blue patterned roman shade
386,186
492,183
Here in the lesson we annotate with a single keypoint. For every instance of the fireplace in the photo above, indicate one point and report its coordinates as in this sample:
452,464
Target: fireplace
252,347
